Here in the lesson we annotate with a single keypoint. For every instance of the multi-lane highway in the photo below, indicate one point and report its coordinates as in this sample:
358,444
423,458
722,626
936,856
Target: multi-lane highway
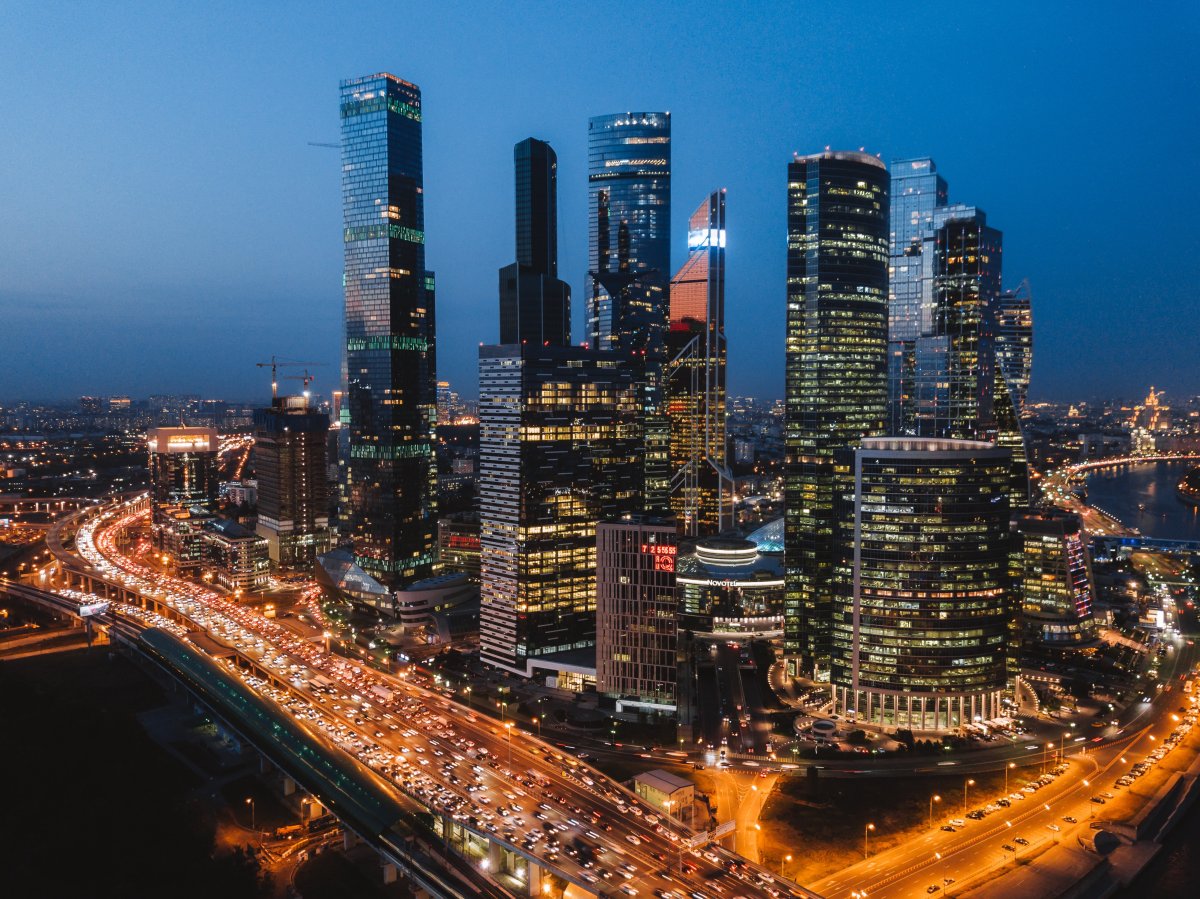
493,781
958,847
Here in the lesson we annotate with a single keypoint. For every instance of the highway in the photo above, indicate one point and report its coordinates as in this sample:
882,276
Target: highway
493,780
1051,814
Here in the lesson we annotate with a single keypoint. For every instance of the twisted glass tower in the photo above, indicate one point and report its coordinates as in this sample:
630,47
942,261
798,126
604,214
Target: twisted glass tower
391,381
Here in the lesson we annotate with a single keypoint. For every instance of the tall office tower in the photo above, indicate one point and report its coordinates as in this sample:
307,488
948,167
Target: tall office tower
629,211
184,483
535,306
183,469
1014,342
1055,580
559,446
391,400
629,258
701,485
636,613
916,191
290,442
836,390
944,374
922,608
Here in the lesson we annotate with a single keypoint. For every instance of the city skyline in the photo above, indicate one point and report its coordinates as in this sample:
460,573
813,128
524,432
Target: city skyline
147,278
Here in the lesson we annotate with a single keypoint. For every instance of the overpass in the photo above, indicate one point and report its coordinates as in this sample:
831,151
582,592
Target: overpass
359,798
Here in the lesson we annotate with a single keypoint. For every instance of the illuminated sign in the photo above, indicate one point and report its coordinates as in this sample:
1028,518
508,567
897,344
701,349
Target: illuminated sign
461,541
187,443
663,554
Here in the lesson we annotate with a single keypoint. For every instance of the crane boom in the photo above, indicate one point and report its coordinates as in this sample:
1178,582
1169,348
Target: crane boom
276,364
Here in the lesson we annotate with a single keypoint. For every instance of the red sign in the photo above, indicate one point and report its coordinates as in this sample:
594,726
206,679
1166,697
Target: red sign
663,553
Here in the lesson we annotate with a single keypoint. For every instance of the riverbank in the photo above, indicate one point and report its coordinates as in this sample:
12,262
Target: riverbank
1188,488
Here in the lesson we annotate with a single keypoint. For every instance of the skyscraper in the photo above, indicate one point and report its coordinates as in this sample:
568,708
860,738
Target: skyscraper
183,490
1014,342
945,376
922,608
390,353
535,306
559,446
701,486
1057,588
629,256
836,387
629,215
289,462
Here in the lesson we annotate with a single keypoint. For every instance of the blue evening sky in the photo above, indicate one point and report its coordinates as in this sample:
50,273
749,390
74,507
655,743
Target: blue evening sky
164,223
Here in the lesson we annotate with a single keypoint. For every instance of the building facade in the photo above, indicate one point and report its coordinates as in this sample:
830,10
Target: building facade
183,485
1014,342
629,257
629,215
701,483
946,353
730,590
535,306
390,491
921,627
1056,584
836,372
293,496
560,451
636,613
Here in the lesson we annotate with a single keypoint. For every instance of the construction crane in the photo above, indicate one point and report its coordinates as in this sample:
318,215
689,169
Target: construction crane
306,378
276,364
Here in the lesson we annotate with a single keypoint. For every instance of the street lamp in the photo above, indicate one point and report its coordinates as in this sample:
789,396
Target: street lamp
969,782
250,802
508,727
932,799
1011,765
782,864
538,721
467,690
866,834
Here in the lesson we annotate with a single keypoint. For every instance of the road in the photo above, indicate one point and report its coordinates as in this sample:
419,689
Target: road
494,780
1040,819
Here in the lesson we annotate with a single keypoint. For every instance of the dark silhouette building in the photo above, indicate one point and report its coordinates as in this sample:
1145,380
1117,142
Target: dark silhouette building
535,306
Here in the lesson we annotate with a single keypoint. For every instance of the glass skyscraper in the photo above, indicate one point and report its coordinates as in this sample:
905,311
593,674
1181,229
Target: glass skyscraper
559,446
921,634
701,485
535,306
1014,343
629,215
391,381
629,257
945,349
836,387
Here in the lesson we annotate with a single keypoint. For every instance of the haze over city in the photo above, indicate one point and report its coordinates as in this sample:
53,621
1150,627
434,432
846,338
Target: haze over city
167,220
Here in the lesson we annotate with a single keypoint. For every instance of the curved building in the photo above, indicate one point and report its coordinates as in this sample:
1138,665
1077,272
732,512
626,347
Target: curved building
728,588
922,600
1056,580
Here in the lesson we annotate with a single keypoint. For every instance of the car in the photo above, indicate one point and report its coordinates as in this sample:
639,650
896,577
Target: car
933,888
949,829
1021,841
1009,848
1107,795
1099,800
1070,819
1054,827
958,822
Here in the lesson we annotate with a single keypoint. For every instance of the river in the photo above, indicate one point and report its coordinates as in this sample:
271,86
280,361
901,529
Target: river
1120,491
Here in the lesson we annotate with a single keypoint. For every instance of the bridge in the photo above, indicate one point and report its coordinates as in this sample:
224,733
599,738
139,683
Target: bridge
1117,545
1117,461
